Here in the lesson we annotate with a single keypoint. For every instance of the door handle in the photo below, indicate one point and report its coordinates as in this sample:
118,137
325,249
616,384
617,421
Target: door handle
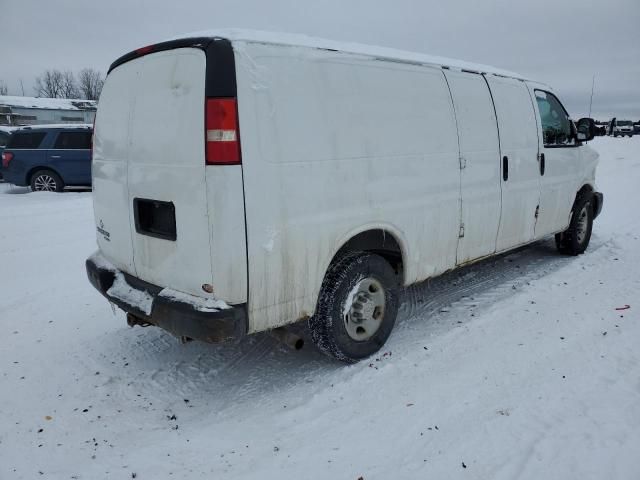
55,156
505,168
542,164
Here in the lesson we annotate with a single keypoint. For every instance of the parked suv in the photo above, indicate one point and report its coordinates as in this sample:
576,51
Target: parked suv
49,157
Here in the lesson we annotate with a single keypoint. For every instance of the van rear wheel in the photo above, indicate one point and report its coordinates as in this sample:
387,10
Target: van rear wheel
575,239
357,307
46,181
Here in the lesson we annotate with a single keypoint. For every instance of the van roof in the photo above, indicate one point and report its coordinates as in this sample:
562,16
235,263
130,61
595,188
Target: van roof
275,38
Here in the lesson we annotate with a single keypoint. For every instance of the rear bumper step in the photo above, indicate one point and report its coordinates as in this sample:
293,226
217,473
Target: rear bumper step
184,319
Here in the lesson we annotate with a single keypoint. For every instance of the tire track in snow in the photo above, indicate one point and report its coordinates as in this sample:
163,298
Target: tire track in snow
226,375
479,285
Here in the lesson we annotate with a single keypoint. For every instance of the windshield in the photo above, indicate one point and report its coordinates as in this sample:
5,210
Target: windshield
624,123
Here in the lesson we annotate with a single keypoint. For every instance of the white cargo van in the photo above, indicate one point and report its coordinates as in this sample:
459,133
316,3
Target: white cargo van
621,128
244,181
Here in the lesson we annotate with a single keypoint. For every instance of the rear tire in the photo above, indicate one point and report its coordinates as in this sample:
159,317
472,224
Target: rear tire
357,307
46,181
575,239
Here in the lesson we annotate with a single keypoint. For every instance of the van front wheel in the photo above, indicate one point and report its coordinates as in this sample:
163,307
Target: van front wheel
357,307
575,239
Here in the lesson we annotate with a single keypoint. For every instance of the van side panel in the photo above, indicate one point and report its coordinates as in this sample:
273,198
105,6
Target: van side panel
334,144
480,162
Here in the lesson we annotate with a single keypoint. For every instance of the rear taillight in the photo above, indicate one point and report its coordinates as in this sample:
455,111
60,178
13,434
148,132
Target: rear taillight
222,134
6,158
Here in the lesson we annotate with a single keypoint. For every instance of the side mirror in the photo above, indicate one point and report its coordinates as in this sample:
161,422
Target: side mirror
586,129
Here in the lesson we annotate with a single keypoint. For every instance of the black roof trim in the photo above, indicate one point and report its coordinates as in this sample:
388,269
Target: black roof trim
198,42
221,70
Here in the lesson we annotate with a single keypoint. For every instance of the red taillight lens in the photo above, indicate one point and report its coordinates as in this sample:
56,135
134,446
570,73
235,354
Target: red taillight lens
6,158
222,135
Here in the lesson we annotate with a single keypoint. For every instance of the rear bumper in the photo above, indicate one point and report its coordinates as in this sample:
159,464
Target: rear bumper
190,318
10,175
599,199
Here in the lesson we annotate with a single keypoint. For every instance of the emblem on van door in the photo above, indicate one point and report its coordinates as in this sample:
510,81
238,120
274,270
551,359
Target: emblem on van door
102,231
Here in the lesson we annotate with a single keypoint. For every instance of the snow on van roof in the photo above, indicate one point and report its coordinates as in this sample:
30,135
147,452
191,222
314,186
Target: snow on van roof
289,39
48,103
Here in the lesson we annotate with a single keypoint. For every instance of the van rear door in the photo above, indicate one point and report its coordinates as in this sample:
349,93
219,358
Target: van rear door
166,171
151,204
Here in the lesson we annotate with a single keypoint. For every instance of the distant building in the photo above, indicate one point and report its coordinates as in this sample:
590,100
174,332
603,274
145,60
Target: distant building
37,111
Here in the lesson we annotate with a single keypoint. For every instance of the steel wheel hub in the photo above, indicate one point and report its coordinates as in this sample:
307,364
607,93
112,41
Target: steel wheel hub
45,183
581,225
364,311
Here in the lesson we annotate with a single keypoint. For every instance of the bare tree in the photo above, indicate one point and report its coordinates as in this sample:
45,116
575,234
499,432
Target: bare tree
3,88
49,84
69,86
57,84
90,83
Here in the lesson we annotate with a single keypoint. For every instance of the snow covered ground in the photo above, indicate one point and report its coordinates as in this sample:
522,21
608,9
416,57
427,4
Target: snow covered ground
519,367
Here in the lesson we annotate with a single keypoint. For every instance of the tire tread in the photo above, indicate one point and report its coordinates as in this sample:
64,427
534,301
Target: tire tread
336,281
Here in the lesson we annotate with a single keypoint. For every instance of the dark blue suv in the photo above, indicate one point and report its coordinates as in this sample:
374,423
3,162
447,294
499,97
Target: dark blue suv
49,157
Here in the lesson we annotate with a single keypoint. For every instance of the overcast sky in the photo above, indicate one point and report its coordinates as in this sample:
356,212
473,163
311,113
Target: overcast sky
559,42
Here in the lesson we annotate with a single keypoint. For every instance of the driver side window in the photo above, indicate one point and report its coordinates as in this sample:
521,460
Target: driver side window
556,125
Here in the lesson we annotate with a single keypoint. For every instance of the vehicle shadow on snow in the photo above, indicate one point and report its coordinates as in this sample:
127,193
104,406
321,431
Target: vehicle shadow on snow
11,189
14,190
259,364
